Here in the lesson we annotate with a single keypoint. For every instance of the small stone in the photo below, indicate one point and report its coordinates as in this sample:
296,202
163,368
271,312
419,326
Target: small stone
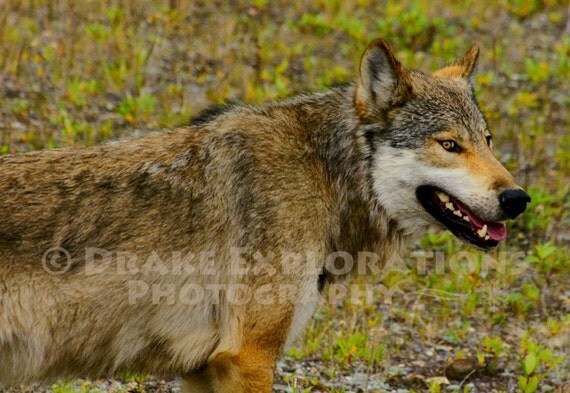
461,368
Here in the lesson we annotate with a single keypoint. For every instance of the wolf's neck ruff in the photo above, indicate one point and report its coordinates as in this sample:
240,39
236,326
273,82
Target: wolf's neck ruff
344,150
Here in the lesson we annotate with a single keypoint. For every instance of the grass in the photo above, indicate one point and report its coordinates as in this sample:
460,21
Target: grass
85,72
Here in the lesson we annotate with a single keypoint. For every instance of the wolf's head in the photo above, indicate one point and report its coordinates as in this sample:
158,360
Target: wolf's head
432,152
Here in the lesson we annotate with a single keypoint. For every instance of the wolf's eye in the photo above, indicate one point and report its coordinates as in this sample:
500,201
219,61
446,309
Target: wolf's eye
451,146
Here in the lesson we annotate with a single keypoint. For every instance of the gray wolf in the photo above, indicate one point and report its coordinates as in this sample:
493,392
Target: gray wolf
360,167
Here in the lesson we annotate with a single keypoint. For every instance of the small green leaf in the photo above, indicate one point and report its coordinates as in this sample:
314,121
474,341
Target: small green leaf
530,363
545,250
532,385
532,259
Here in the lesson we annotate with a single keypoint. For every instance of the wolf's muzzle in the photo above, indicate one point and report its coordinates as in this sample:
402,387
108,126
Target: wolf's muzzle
514,202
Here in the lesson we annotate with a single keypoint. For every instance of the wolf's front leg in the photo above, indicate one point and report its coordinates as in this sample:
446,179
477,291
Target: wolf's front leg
248,367
254,337
249,372
198,382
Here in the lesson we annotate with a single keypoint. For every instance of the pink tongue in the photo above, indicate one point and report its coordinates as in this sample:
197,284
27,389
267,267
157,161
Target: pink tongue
495,230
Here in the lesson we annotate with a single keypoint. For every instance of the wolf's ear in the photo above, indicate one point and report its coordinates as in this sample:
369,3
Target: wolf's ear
383,82
461,68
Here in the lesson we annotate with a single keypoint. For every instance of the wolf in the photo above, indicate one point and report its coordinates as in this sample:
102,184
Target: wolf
138,256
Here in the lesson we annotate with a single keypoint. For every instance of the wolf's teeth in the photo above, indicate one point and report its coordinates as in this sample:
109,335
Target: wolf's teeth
450,206
487,237
442,196
458,213
466,218
482,232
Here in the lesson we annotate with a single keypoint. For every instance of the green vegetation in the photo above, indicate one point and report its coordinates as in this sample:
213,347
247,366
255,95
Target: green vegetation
84,72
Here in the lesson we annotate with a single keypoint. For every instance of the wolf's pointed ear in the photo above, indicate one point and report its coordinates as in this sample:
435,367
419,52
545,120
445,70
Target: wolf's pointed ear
461,68
383,82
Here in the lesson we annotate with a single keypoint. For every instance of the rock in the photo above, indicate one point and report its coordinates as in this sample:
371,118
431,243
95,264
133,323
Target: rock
461,368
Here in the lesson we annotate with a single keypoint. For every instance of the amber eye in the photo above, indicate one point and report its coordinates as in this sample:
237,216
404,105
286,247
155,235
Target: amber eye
450,146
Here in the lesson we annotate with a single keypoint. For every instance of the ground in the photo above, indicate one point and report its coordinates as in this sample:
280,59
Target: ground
443,318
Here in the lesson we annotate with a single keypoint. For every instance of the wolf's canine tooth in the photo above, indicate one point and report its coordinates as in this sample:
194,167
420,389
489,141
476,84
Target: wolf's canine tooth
482,232
442,196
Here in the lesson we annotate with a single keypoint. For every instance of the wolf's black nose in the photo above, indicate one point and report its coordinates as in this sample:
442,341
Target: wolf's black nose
514,202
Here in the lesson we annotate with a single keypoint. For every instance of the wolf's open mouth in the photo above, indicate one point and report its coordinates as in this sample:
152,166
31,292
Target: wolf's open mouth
461,221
